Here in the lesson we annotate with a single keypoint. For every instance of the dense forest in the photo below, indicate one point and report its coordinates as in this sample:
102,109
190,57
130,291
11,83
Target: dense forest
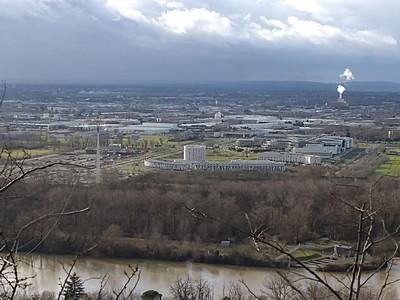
294,207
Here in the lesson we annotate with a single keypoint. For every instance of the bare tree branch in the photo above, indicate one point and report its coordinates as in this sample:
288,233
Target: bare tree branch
33,170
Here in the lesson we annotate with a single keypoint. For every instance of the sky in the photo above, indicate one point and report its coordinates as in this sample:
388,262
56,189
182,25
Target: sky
130,41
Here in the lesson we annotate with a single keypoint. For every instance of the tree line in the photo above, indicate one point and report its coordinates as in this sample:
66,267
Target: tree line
295,207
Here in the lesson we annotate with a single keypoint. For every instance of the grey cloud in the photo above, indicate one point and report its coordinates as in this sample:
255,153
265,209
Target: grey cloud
90,41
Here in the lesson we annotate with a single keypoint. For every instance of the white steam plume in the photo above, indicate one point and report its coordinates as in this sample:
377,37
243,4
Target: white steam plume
341,89
347,75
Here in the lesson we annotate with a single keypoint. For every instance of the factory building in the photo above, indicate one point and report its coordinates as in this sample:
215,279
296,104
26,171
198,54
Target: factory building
194,153
319,150
326,146
343,142
291,158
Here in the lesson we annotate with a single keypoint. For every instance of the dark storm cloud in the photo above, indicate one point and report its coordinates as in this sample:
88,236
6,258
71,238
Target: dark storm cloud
125,41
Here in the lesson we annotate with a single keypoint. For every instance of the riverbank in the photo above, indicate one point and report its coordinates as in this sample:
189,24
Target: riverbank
166,250
319,255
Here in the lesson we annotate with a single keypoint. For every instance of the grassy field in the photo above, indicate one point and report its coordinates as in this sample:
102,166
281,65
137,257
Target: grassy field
31,152
364,145
227,155
305,254
390,168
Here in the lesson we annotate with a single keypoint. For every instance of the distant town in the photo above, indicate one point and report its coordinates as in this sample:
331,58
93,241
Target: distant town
142,129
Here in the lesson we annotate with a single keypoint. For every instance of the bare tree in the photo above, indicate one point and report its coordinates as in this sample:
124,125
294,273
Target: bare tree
13,171
189,289
370,231
127,290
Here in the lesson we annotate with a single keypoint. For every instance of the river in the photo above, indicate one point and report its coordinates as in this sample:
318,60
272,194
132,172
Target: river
158,275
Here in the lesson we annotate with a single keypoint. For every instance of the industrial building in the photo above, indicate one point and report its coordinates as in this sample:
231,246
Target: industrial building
194,153
319,150
344,143
326,146
290,157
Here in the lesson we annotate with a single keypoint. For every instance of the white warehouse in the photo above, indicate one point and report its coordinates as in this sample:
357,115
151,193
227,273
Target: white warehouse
194,153
292,158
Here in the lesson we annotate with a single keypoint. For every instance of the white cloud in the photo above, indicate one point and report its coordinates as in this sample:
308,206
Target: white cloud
310,21
310,6
171,4
316,33
187,18
195,20
127,8
138,32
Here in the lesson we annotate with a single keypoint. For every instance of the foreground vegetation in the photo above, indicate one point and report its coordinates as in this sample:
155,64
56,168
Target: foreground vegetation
200,289
130,219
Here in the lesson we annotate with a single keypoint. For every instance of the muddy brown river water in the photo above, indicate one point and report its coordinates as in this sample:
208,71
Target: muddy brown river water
158,275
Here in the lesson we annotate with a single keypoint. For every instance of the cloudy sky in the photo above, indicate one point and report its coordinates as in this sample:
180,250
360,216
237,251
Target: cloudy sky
128,41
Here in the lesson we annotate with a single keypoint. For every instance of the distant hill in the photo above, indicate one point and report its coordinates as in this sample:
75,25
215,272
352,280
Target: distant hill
377,86
242,87
276,86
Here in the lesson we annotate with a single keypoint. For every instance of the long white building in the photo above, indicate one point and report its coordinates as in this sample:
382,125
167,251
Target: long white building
240,165
195,159
289,157
171,165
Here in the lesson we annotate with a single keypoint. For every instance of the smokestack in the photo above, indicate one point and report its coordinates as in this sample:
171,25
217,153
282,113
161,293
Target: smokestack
341,89
98,167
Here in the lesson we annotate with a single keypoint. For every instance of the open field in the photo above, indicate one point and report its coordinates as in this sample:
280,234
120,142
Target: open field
227,155
20,153
364,145
390,168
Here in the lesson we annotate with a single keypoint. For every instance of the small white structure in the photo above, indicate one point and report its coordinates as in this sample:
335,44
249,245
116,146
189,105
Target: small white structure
194,153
